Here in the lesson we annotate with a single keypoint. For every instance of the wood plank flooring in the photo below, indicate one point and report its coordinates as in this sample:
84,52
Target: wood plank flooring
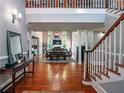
54,77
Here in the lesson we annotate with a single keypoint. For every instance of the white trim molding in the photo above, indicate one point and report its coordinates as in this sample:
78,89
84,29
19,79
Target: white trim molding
3,57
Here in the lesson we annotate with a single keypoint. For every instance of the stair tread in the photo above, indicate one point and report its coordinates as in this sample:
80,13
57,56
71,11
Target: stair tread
120,65
98,76
111,70
106,75
93,77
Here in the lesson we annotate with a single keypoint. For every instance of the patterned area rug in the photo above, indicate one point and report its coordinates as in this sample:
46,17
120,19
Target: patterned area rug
57,60
52,92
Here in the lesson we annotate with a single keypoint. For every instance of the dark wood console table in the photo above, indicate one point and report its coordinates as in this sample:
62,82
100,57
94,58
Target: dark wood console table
13,72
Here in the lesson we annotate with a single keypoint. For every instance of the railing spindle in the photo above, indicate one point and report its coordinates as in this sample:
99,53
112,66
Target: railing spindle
94,70
99,60
114,67
95,61
106,55
110,61
92,64
102,52
120,51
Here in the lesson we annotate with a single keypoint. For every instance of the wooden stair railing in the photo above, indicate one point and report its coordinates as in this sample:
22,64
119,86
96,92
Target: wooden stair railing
107,54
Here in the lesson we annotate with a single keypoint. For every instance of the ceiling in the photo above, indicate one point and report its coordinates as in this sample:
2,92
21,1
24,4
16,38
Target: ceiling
65,26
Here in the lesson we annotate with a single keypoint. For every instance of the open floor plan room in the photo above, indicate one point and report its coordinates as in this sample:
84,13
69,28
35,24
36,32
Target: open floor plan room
61,46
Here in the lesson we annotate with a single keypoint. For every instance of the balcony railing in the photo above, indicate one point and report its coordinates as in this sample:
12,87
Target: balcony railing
66,3
111,4
116,4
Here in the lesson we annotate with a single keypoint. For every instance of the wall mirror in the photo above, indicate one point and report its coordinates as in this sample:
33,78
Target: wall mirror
14,45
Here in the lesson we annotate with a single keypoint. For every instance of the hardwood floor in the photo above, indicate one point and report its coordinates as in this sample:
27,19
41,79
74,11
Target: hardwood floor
54,77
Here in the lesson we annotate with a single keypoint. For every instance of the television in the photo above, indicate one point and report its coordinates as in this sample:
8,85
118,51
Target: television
56,42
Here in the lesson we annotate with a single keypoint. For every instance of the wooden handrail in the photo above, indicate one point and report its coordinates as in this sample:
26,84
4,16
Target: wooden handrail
111,29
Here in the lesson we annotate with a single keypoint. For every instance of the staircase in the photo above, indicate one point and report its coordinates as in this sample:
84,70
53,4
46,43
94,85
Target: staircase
104,63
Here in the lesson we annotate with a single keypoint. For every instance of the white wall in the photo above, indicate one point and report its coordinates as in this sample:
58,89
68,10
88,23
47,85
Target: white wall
6,7
65,15
97,36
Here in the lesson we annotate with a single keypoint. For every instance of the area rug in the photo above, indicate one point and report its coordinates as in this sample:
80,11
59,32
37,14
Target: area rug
57,60
52,92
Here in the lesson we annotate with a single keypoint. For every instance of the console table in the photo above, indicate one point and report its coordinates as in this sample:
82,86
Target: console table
16,69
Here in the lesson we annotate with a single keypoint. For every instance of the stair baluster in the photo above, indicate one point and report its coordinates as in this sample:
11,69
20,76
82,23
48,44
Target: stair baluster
115,60
109,52
120,51
102,61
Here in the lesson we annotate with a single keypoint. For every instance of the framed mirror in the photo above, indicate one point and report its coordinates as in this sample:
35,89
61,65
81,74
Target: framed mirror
14,46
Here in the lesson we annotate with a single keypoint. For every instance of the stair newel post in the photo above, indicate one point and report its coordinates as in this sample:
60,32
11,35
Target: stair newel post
86,69
120,51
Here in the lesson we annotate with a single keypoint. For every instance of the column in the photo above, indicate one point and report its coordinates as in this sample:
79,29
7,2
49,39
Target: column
86,39
79,45
30,44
